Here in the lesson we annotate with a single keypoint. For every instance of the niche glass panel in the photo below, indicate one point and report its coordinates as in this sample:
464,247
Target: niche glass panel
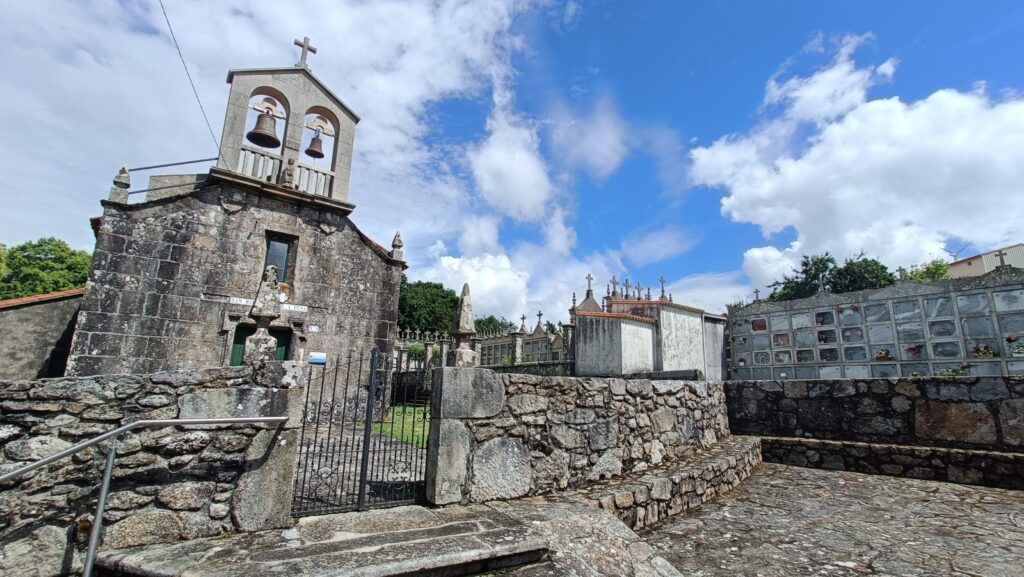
910,332
976,304
853,335
762,358
940,307
804,338
831,372
826,337
857,371
801,320
1012,324
824,318
949,350
855,353
783,357
978,327
850,316
781,340
880,333
914,352
806,372
760,342
780,322
914,370
883,371
882,354
942,329
1009,300
983,348
759,325
906,311
877,313
828,355
804,356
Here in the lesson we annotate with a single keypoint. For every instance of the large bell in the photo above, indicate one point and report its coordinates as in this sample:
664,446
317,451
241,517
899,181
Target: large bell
316,147
265,132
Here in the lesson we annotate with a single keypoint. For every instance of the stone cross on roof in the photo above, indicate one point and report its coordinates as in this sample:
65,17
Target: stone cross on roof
306,49
757,294
1000,255
590,279
902,272
661,279
627,284
615,285
639,290
539,315
522,327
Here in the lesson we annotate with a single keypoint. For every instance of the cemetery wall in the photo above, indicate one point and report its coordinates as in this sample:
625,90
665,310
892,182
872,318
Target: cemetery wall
505,436
38,332
173,279
985,413
168,484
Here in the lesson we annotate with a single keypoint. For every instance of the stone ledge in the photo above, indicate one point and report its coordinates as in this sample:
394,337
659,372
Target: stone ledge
643,499
964,466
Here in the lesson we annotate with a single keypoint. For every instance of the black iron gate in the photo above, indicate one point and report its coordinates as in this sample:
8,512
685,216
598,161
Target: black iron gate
364,438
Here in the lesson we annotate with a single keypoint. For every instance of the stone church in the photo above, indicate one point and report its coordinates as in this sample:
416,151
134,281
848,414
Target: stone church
173,275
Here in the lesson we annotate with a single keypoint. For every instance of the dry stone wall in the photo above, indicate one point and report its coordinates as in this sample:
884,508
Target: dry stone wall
505,436
168,484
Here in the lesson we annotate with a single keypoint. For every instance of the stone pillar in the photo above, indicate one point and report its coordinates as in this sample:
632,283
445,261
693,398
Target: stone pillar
568,344
122,182
400,352
428,353
517,348
464,332
261,347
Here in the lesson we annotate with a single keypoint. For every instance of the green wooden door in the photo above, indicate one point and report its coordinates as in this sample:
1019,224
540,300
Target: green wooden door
283,336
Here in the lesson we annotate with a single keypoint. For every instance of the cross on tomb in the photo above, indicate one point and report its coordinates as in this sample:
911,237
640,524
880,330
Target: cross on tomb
615,284
902,272
757,294
627,284
539,315
590,278
306,49
1000,255
661,279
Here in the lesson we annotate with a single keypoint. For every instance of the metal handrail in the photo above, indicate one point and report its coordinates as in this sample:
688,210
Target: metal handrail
97,523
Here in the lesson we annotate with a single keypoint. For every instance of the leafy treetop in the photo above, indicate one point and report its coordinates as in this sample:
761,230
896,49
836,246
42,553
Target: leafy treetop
41,266
820,271
493,324
934,270
426,306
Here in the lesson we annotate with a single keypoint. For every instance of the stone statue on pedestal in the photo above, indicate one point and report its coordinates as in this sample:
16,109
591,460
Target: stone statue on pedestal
266,307
463,331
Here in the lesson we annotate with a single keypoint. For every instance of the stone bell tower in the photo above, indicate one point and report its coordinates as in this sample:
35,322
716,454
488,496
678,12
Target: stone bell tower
284,127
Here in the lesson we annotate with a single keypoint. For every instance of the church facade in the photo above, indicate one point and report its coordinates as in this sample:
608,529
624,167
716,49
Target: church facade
173,276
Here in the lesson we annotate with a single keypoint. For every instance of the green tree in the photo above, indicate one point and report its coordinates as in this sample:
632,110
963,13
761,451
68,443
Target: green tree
493,324
42,266
859,273
934,270
813,274
426,306
3,261
551,328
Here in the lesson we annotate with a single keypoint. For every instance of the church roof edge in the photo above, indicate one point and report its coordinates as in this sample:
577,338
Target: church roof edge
297,69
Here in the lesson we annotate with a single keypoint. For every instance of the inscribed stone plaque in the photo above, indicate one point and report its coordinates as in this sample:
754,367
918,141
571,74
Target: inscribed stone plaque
824,318
913,352
1012,324
906,311
978,327
876,313
831,372
986,369
759,325
805,356
781,340
780,322
880,334
740,328
883,371
804,338
760,341
855,353
940,307
857,371
1015,367
826,337
801,320
946,350
783,357
806,372
914,370
942,328
850,316
975,304
783,373
829,355
741,374
762,374
762,358
1009,300
910,332
853,335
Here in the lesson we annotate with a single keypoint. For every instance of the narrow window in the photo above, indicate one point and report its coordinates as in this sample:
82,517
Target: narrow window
280,253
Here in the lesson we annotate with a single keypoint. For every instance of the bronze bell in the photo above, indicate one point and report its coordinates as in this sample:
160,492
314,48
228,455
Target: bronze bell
265,132
316,148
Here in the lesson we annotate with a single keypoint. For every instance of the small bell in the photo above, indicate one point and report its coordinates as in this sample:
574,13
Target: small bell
265,133
315,148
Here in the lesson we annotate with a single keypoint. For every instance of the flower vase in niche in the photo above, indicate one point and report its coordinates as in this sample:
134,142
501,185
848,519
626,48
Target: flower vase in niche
914,350
982,351
1016,345
883,355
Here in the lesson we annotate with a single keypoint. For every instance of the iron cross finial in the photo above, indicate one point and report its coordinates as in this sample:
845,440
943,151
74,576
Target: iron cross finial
306,49
590,279
1000,255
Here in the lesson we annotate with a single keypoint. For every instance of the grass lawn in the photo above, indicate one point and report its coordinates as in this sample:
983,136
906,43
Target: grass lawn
408,424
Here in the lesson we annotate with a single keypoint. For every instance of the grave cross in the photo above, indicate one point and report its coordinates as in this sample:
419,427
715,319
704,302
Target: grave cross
306,49
1000,255
902,272
539,315
523,326
590,278
638,291
627,284
661,279
615,284
757,295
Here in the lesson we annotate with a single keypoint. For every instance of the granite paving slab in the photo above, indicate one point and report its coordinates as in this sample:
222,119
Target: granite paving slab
388,542
786,521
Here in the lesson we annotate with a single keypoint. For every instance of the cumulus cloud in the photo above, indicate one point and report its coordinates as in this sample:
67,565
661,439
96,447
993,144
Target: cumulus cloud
648,247
596,143
893,179
711,291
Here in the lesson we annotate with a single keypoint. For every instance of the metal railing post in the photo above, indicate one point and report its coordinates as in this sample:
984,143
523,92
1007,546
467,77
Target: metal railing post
101,503
371,400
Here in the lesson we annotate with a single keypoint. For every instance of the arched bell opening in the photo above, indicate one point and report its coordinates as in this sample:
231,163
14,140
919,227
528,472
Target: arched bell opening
316,161
263,139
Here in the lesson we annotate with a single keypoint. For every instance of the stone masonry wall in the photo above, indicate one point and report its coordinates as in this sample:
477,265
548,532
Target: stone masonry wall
173,278
506,436
168,484
38,337
978,413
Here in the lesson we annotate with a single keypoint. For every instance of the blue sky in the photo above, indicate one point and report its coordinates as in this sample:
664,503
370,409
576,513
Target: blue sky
519,146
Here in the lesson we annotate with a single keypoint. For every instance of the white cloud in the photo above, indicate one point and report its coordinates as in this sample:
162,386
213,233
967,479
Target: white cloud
644,248
596,143
711,291
480,235
891,178
497,286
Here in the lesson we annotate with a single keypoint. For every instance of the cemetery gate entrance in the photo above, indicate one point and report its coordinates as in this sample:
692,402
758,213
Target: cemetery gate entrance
364,437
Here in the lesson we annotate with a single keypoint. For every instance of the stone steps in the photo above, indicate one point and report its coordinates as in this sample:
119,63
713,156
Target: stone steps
398,542
643,499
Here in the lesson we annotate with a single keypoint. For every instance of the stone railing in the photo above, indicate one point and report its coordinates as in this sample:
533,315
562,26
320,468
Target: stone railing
499,436
259,164
313,180
168,484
